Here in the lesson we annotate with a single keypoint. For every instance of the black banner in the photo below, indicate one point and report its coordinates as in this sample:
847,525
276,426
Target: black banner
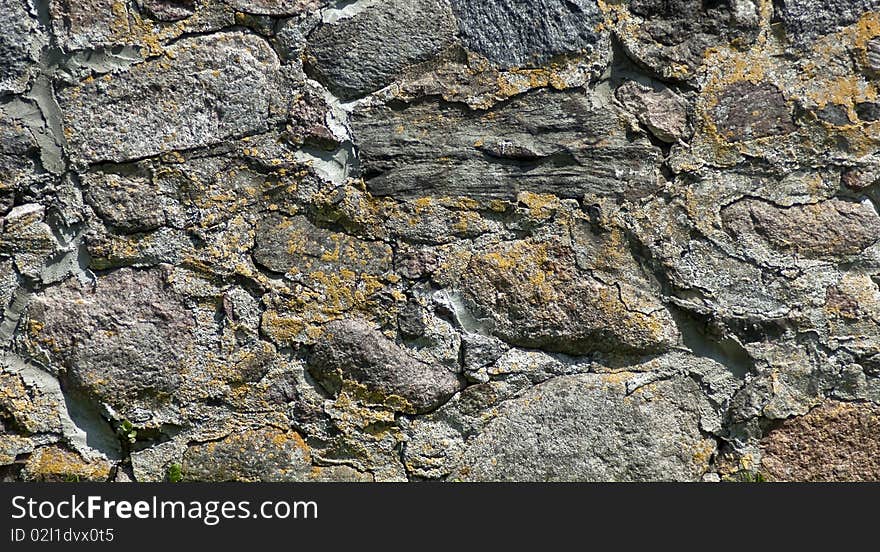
366,516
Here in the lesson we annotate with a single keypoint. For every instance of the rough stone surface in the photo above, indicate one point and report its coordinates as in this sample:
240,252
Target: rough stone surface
168,10
19,38
833,442
362,53
304,240
832,228
523,34
669,37
662,112
353,351
600,434
569,144
747,112
535,296
98,338
208,89
805,20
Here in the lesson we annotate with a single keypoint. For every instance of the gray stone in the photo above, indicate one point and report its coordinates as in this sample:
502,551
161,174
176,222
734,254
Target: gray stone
352,350
365,52
20,38
295,246
129,204
90,23
669,37
868,111
568,144
589,428
534,296
125,343
208,89
27,238
276,7
168,10
872,55
829,229
662,112
528,34
807,20
18,149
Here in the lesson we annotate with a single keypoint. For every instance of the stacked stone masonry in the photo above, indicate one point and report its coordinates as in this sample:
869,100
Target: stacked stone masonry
460,240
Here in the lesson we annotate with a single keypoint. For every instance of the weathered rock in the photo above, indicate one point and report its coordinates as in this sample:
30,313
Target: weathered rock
276,7
868,111
25,236
264,454
89,24
670,37
590,428
130,204
567,144
125,343
746,111
828,229
534,296
168,10
18,149
369,50
833,442
296,246
805,20
56,464
20,38
528,34
352,350
210,89
872,55
662,112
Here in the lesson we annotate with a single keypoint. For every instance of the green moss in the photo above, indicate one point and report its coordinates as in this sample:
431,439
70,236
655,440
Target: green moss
174,474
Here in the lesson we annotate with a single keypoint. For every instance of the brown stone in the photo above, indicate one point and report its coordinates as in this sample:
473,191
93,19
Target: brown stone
833,442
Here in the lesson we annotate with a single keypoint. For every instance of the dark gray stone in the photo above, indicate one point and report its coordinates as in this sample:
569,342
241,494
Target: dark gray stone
567,144
365,52
868,111
807,20
835,114
512,33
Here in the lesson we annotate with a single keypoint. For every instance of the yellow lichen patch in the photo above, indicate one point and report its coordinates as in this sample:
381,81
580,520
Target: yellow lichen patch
541,206
617,378
54,463
703,453
282,329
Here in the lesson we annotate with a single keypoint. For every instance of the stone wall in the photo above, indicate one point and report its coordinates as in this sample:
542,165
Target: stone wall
390,240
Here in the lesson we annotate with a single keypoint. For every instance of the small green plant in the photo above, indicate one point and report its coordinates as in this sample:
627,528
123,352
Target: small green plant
173,474
749,477
128,431
71,478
